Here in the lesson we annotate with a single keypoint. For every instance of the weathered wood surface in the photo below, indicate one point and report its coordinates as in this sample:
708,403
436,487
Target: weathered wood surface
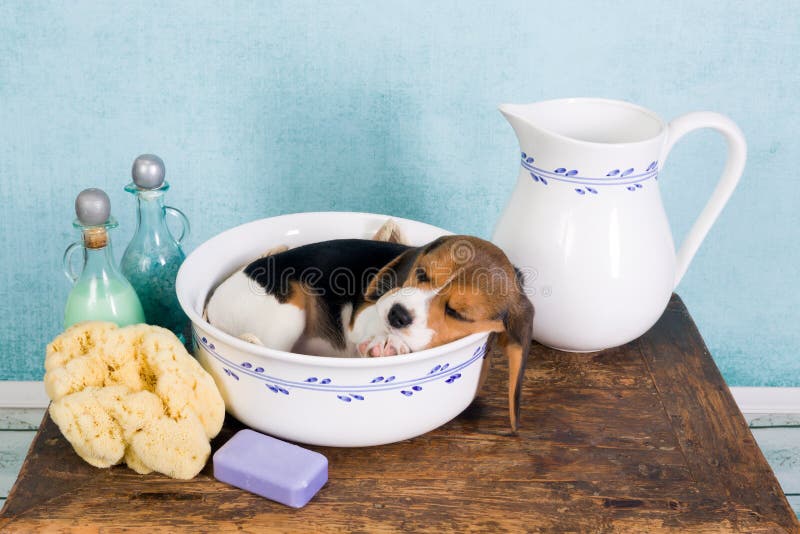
781,447
20,418
14,443
16,434
771,420
13,446
643,438
794,502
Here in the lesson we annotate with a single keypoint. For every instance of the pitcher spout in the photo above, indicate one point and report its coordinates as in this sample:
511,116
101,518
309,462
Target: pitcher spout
517,117
511,110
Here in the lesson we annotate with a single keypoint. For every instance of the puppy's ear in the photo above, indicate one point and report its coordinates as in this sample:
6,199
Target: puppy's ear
392,275
515,342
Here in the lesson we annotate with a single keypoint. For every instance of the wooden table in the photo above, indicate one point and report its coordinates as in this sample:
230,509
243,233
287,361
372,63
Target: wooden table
642,438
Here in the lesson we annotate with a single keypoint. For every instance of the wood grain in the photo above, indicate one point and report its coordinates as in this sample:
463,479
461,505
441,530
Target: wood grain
642,438
794,502
769,420
719,447
13,446
20,418
781,448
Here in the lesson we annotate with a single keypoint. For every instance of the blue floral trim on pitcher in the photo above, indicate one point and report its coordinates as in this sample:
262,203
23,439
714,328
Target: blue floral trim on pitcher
628,177
345,393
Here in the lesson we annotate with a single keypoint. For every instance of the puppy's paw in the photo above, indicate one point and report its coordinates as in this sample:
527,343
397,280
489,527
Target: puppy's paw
384,345
251,338
275,250
390,232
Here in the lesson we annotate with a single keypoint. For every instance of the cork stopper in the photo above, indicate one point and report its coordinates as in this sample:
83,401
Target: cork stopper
95,237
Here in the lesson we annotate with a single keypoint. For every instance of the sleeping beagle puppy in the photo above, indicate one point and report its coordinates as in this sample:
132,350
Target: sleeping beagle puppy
357,297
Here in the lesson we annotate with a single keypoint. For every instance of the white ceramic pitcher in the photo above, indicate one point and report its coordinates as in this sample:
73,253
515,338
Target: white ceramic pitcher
585,222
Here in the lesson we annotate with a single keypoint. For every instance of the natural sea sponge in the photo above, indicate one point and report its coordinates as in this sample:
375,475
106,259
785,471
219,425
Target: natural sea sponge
132,395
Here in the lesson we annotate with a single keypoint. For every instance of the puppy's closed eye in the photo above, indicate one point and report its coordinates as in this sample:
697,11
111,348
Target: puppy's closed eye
422,276
454,313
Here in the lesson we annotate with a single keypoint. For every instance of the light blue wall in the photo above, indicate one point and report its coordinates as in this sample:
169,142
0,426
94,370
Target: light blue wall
265,108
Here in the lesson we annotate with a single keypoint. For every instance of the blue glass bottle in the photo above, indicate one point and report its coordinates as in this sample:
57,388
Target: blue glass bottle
153,257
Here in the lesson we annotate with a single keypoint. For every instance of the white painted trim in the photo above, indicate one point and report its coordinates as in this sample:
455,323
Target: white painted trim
23,395
764,400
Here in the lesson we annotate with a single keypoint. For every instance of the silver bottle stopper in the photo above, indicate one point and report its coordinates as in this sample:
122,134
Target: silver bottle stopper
93,207
148,171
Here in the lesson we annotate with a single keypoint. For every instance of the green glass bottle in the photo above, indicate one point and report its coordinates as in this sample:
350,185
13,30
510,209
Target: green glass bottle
100,292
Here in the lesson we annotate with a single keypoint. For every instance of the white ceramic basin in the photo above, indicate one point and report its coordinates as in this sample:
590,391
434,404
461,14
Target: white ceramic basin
346,402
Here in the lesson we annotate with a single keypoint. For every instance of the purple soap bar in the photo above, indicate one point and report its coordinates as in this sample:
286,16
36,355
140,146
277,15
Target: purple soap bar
272,468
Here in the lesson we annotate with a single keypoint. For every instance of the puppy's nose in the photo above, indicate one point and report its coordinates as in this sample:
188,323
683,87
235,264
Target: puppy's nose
399,316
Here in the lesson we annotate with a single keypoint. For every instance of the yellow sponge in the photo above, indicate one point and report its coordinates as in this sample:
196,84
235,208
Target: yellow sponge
132,395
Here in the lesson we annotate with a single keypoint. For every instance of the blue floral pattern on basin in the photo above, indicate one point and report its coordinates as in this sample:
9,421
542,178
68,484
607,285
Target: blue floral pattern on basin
588,186
346,393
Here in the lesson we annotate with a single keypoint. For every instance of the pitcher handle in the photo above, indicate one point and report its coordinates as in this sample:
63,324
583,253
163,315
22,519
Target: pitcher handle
185,227
734,166
69,272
